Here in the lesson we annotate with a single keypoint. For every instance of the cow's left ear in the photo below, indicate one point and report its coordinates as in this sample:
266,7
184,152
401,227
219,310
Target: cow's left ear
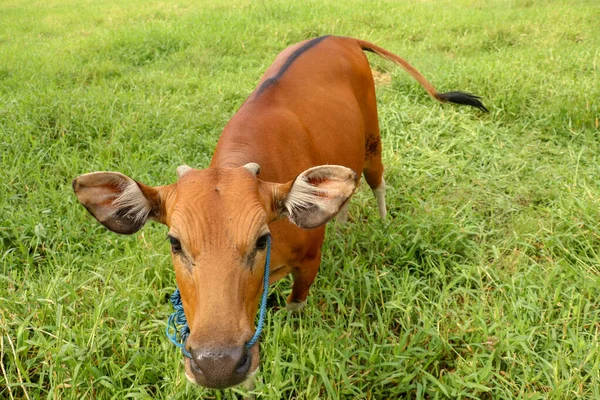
118,202
315,196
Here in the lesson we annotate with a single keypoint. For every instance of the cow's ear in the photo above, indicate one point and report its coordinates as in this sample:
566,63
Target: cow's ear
118,202
315,196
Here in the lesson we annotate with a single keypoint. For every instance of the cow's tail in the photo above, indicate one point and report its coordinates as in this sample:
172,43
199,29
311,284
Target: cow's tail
451,97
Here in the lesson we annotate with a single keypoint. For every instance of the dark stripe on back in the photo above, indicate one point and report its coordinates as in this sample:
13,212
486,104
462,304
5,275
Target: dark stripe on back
293,57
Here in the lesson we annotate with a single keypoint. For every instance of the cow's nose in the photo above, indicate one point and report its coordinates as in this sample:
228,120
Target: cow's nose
220,367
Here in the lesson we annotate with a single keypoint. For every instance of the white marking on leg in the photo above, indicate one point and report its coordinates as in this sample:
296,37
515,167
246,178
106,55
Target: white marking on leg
295,306
342,216
379,193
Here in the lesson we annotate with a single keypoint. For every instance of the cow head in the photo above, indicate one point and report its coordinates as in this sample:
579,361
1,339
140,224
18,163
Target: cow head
218,221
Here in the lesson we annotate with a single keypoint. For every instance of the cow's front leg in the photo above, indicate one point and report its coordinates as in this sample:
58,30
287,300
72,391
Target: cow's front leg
304,275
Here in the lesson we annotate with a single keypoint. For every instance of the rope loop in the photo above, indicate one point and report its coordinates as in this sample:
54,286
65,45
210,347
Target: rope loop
177,318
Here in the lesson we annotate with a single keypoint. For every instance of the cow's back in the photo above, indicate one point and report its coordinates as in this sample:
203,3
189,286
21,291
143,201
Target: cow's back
309,108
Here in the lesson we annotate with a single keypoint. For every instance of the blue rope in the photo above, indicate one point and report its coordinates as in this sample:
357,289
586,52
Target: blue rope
178,317
263,301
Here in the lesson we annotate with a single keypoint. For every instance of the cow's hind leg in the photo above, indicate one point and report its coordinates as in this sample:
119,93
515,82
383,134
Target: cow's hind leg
373,172
373,169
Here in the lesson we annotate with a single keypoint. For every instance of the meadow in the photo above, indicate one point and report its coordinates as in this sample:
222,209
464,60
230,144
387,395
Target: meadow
484,283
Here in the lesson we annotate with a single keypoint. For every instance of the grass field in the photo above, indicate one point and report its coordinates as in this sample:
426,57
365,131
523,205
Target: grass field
484,283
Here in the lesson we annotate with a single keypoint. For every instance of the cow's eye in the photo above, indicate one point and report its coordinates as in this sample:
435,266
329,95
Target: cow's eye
175,244
261,243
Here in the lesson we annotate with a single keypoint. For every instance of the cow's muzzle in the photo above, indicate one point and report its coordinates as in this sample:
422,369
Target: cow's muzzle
219,368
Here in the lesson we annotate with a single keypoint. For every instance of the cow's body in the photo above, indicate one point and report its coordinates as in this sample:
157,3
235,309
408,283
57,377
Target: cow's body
314,106
314,113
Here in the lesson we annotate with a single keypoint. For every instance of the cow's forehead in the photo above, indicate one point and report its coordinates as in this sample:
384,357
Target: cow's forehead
225,183
217,198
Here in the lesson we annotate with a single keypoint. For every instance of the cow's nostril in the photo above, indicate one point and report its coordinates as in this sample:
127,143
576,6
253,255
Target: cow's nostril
244,364
220,367
196,364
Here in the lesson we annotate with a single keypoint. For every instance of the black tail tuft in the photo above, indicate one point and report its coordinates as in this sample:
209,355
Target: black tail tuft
462,98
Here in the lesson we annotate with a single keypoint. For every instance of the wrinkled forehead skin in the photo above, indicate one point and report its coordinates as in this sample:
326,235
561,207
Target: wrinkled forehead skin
216,205
218,215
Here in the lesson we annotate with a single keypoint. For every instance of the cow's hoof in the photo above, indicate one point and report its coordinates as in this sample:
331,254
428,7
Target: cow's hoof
295,306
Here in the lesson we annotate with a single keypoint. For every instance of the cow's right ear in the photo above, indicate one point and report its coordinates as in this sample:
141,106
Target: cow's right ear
118,202
315,196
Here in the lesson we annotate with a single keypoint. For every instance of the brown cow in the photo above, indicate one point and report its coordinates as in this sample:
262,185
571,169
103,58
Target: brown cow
312,126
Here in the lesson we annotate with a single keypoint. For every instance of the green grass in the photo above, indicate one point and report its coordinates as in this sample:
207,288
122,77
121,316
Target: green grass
484,283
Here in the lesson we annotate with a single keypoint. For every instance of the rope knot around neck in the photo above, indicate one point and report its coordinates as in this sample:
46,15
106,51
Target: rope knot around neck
177,318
